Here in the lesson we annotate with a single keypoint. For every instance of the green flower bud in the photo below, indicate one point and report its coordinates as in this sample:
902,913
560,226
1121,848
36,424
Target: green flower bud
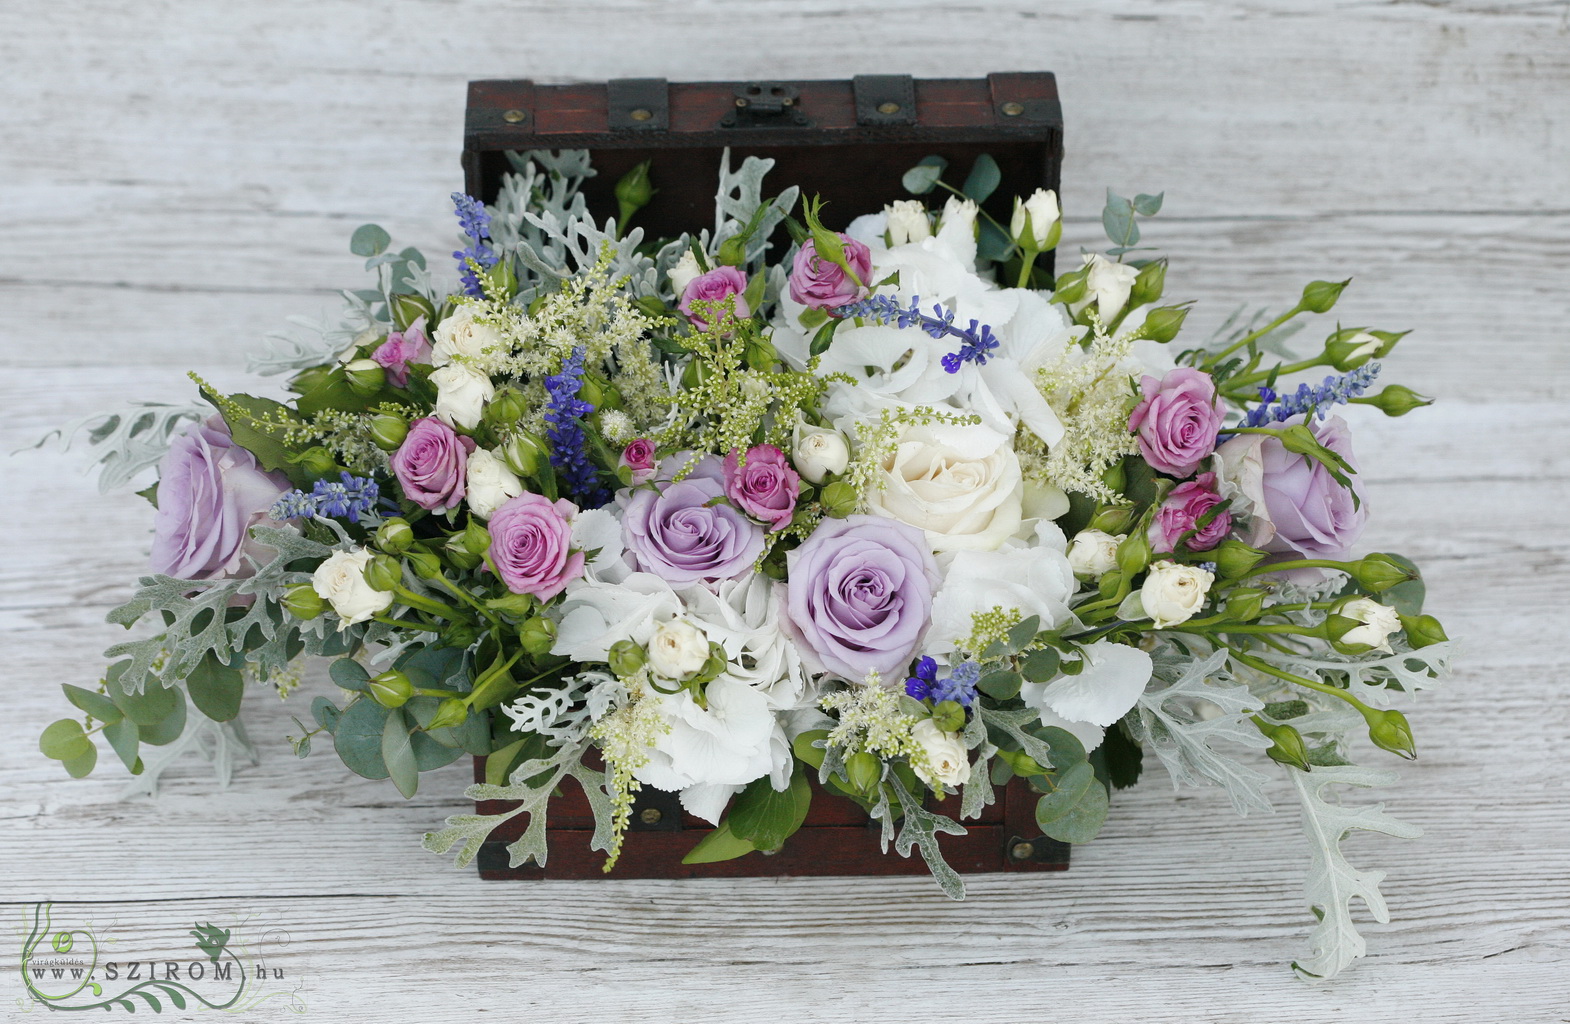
365,376
1022,763
317,462
1134,554
516,605
633,192
1071,287
505,409
1233,558
1350,348
476,538
626,658
388,430
1116,477
537,635
949,716
1164,322
1390,731
1423,630
407,308
424,564
1286,745
863,771
732,252
760,354
1113,519
391,689
1149,283
592,390
303,602
1321,296
694,374
713,666
394,536
1245,604
1337,626
1378,573
383,573
453,711
840,499
1396,400
1109,584
457,551
524,454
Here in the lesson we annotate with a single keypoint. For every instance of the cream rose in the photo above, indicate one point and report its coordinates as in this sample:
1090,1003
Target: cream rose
1042,211
463,334
960,484
1108,284
340,580
461,394
684,272
818,452
907,220
948,763
678,649
960,214
489,483
1379,623
1094,553
1173,593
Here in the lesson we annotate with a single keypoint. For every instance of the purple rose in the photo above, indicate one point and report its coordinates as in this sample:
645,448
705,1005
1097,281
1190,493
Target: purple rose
1184,507
859,595
432,463
676,533
1312,515
531,545
1177,420
402,348
714,287
819,284
210,493
765,487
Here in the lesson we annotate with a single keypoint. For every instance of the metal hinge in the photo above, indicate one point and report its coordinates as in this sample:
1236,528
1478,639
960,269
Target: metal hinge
766,105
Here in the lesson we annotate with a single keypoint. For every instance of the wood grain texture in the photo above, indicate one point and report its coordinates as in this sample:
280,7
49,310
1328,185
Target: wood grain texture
177,178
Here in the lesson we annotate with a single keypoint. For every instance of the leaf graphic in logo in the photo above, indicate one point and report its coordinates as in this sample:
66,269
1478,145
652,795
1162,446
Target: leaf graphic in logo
211,940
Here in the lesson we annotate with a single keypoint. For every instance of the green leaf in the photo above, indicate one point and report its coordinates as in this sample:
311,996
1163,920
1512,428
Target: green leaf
1000,684
168,728
806,752
1119,758
1064,748
325,712
1117,217
1075,809
64,740
923,178
95,704
358,738
349,674
155,703
123,737
398,754
150,492
430,668
766,818
430,753
1040,666
1148,205
992,243
499,762
983,179
1022,633
215,688
369,240
80,766
824,338
720,844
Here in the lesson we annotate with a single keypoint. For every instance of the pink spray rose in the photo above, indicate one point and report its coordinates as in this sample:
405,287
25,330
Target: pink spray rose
432,463
765,487
531,545
1177,420
210,493
638,456
819,284
1185,506
714,287
402,348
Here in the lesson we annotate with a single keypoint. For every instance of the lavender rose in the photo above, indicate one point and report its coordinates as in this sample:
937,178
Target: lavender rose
765,487
210,493
402,348
1184,507
714,287
432,463
859,596
1177,420
676,534
531,545
819,284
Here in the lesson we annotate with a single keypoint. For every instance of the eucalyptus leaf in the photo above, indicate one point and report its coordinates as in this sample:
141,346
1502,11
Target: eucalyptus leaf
349,674
1148,205
168,728
992,243
1000,684
151,706
1075,812
215,688
123,737
983,179
369,240
64,740
923,178
358,738
398,753
1040,666
1117,218
326,713
95,704
81,766
430,753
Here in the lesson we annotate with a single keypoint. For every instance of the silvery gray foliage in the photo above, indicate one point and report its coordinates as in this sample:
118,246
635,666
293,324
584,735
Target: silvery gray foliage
560,712
1369,677
310,342
124,443
1332,882
1171,719
977,793
919,828
224,744
738,198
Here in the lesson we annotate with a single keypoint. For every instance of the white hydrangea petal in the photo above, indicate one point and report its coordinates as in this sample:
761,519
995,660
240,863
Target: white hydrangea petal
1114,677
707,800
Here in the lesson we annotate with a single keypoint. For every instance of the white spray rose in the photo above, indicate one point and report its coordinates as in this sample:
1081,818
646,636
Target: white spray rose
1173,593
819,452
684,272
1094,552
961,214
948,763
461,394
908,222
1366,344
463,334
961,484
1379,623
678,649
340,580
1042,209
1109,284
489,483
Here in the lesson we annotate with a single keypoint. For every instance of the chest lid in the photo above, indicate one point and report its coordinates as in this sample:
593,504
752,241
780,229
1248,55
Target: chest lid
848,141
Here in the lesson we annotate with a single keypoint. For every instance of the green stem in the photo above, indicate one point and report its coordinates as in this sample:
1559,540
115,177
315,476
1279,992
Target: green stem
427,604
1025,267
456,591
1298,563
1254,335
1368,713
1253,378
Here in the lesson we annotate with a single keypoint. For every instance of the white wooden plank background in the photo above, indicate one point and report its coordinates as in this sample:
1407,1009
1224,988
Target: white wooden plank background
176,177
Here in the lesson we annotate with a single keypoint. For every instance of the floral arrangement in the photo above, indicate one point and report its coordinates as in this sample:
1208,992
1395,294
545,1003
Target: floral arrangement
892,508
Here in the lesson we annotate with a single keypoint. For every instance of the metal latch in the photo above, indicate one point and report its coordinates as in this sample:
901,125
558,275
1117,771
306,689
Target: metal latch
766,105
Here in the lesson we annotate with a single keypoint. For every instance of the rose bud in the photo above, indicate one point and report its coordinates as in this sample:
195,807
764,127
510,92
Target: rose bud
365,376
391,689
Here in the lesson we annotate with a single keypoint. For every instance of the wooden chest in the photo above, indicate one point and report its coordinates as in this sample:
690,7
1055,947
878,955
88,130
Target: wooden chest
849,142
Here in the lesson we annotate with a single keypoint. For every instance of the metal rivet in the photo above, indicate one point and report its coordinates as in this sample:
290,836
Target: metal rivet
513,116
1022,851
888,108
650,815
741,101
1013,108
641,114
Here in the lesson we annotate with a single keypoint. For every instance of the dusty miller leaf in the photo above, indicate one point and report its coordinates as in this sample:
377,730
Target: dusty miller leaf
124,443
1367,676
469,831
919,828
